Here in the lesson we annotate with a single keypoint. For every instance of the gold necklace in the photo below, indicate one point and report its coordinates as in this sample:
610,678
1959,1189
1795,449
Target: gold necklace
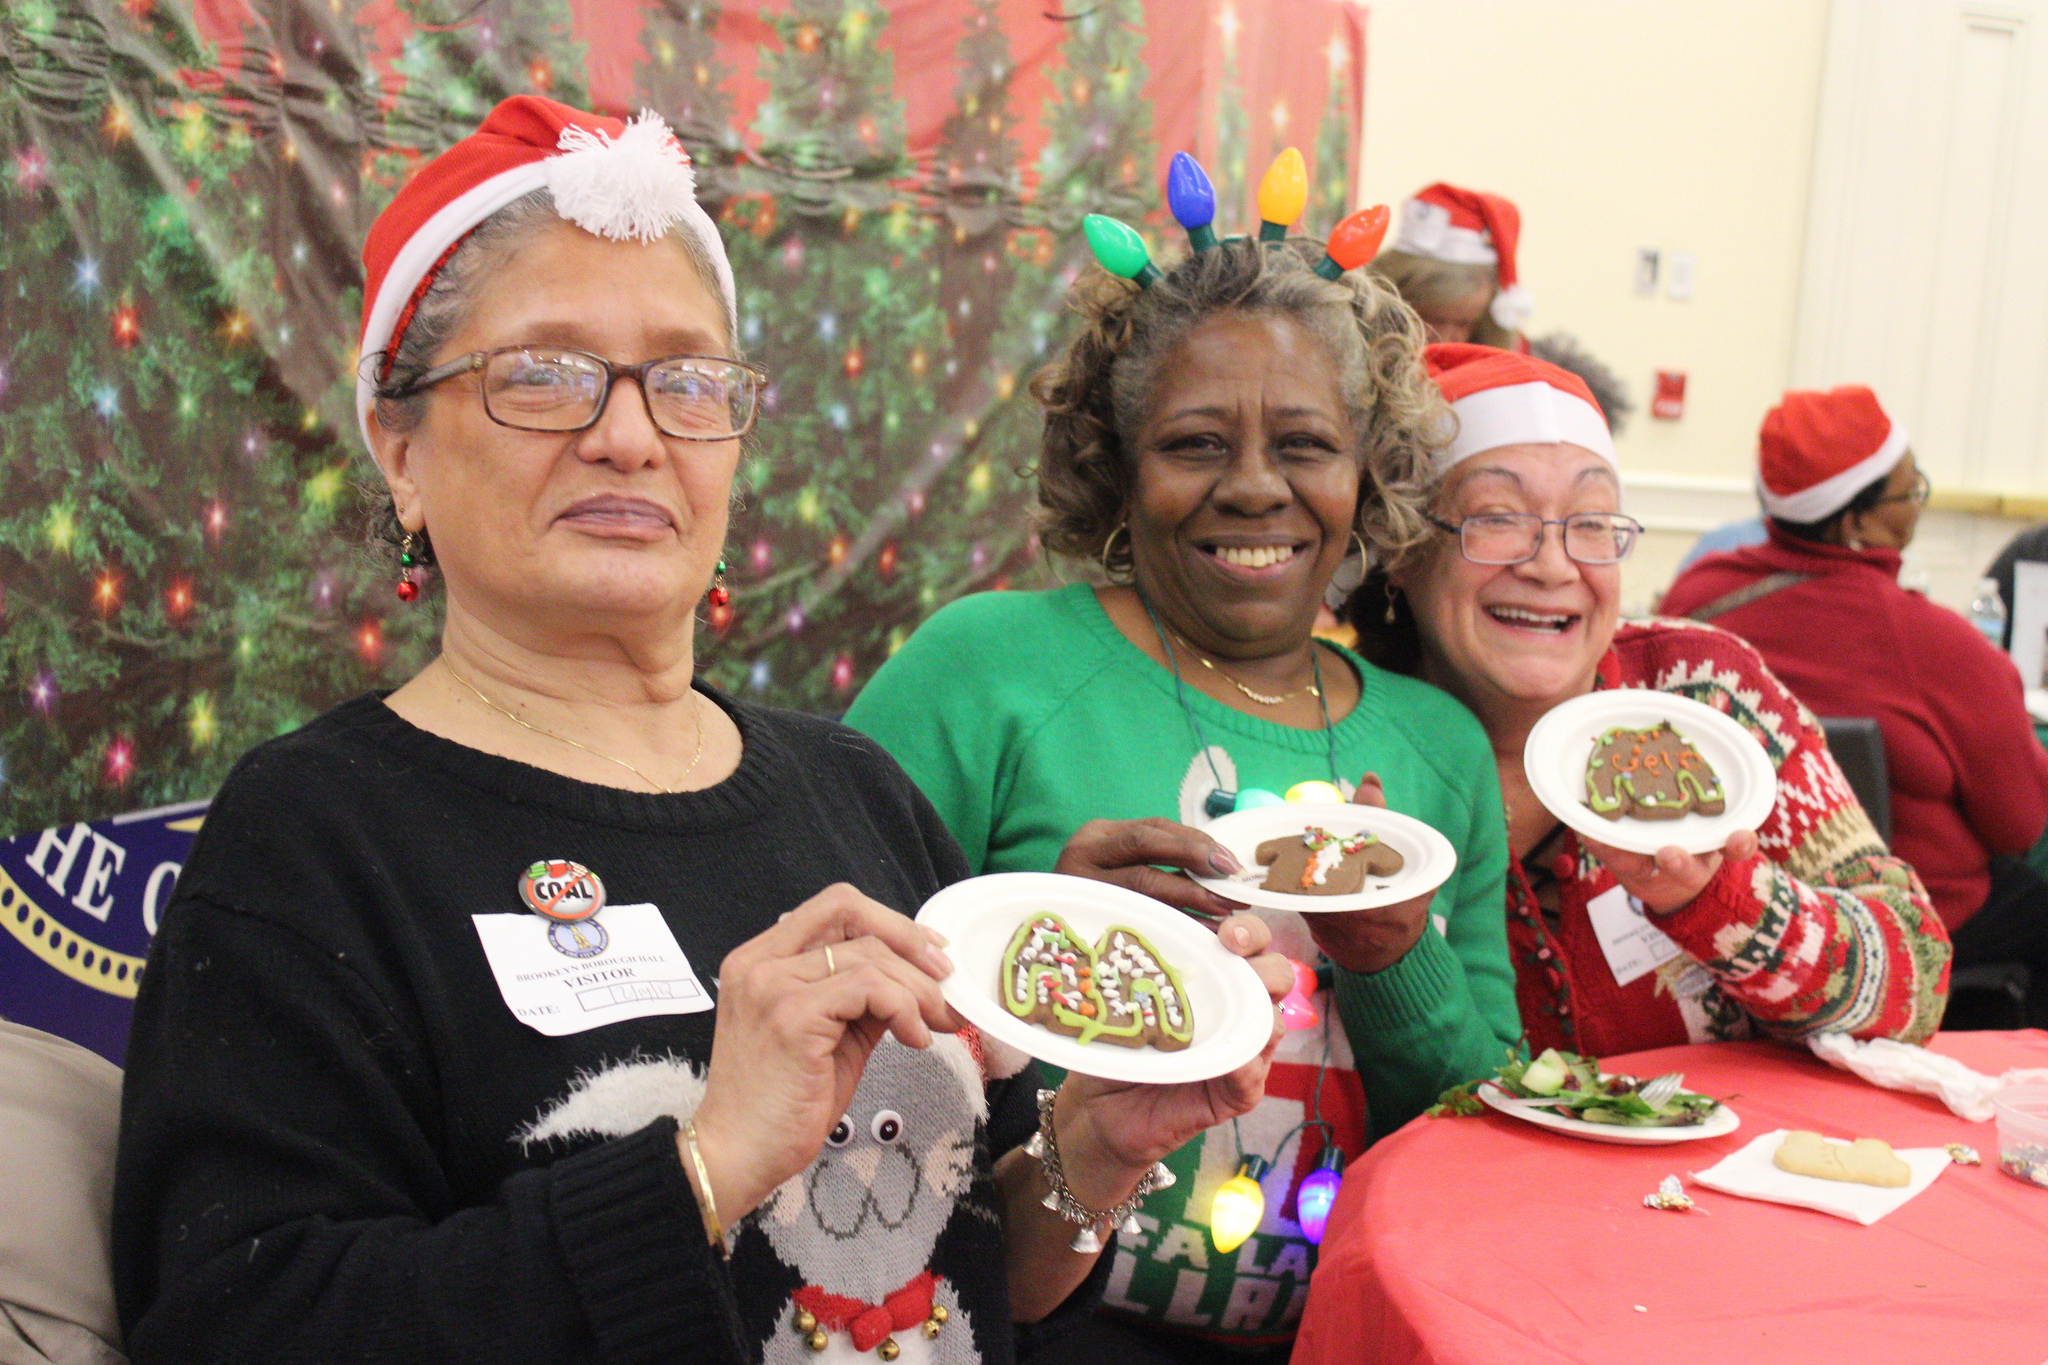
1262,698
594,753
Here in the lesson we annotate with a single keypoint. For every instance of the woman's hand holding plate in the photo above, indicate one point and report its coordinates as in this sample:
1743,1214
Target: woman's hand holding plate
1129,853
1670,878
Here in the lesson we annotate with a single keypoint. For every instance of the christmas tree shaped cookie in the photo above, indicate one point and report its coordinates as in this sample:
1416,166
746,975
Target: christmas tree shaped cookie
1319,863
1119,991
1652,774
1049,977
1143,1000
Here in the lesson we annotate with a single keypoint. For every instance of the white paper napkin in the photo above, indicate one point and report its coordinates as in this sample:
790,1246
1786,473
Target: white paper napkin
1750,1173
1902,1066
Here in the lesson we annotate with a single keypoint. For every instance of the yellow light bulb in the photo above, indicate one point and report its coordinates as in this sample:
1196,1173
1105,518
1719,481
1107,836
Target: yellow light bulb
1315,793
1283,194
1239,1204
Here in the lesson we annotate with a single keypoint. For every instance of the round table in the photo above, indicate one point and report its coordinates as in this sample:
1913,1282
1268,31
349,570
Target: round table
1490,1241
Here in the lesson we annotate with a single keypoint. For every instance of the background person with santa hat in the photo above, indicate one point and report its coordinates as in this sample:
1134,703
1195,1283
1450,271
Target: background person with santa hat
1806,924
1821,601
1453,262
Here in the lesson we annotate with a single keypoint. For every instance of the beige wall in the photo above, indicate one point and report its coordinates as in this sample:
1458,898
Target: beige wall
1613,125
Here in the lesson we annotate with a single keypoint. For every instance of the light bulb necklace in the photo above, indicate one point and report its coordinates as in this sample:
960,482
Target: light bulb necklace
1239,1204
696,714
1222,800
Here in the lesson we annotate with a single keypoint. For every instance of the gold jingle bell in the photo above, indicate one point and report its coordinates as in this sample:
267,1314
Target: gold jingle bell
931,1328
939,1313
888,1350
804,1321
817,1340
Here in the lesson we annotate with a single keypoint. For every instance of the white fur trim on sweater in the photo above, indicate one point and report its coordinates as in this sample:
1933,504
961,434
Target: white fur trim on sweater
1833,493
620,1099
1525,414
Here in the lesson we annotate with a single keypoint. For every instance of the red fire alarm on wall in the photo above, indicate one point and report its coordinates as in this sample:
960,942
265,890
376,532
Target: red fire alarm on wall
1669,401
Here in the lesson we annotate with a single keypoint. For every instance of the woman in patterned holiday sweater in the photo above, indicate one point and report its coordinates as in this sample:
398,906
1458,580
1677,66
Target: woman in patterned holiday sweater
1806,925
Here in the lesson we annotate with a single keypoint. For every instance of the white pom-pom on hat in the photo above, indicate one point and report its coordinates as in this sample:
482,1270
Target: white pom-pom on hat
629,188
1513,306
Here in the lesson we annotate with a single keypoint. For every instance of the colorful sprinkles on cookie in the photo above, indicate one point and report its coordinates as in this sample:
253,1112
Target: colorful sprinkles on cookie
1653,774
1319,863
1120,991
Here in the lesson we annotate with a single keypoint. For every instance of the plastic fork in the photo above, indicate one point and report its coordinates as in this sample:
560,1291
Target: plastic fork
1655,1092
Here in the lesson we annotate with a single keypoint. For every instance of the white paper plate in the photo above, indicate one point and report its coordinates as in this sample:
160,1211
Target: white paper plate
1233,1013
1562,743
1717,1124
1427,857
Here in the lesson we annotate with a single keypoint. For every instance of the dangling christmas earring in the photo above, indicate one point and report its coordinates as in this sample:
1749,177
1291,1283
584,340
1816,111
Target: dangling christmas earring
408,567
719,596
1390,617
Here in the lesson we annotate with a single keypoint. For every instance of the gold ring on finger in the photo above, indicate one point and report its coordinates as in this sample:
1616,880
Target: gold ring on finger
830,965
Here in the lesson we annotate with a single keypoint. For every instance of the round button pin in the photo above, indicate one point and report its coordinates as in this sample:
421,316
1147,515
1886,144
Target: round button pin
561,890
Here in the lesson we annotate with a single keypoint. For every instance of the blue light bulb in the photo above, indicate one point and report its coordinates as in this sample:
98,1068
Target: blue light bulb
1192,199
1318,1191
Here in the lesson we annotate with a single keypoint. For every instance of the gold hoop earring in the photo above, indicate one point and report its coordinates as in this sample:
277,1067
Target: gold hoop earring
1123,529
1364,555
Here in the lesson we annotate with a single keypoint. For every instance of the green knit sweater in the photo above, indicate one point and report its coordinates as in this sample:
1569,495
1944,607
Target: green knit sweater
1024,715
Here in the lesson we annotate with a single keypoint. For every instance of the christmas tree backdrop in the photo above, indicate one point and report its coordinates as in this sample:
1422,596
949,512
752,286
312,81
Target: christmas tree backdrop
184,186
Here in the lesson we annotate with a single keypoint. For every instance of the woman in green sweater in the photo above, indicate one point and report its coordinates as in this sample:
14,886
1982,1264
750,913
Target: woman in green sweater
1216,441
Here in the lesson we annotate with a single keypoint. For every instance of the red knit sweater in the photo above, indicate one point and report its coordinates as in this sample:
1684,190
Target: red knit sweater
1968,778
1822,931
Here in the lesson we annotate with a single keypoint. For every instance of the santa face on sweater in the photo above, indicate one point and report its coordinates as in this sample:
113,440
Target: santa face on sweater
861,1222
1528,632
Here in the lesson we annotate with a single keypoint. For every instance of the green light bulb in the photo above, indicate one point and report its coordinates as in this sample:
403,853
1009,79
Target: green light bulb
1119,248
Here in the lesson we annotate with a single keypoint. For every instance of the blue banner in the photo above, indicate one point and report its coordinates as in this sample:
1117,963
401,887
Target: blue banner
80,905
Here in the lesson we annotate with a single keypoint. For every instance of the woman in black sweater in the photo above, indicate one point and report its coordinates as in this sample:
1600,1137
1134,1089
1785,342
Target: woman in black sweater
556,1007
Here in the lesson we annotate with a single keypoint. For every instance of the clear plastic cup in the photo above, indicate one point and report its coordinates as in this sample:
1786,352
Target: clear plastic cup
2022,1111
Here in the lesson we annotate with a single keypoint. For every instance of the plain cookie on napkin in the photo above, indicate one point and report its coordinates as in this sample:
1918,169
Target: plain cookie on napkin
1751,1173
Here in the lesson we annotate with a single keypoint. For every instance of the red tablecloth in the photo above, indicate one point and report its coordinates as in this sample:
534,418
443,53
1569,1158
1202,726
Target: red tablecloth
1489,1241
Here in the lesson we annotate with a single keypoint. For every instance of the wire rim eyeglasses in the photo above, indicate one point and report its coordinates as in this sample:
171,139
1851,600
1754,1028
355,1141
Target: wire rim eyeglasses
1917,493
556,389
1517,537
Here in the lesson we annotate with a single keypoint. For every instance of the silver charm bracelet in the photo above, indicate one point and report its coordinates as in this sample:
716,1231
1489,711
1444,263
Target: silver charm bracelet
1045,1146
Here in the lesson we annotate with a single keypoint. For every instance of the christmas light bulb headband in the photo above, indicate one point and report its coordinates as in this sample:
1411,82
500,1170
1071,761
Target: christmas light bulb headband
1283,194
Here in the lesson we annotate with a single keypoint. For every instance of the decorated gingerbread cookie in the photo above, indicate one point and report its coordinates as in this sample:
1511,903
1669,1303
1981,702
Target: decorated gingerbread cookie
1049,977
1319,863
1653,774
1120,991
1143,1000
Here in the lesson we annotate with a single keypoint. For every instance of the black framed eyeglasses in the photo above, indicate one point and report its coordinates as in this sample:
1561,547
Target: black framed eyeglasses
1917,494
550,388
1517,537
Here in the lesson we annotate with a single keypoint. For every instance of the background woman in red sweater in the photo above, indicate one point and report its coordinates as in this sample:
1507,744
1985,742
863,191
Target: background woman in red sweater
1821,602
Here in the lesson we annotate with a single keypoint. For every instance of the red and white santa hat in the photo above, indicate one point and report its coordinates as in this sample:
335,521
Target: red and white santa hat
1817,451
622,181
1466,227
1505,398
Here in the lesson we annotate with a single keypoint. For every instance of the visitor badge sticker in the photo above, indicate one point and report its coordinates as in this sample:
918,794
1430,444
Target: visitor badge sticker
1641,770
565,976
560,890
